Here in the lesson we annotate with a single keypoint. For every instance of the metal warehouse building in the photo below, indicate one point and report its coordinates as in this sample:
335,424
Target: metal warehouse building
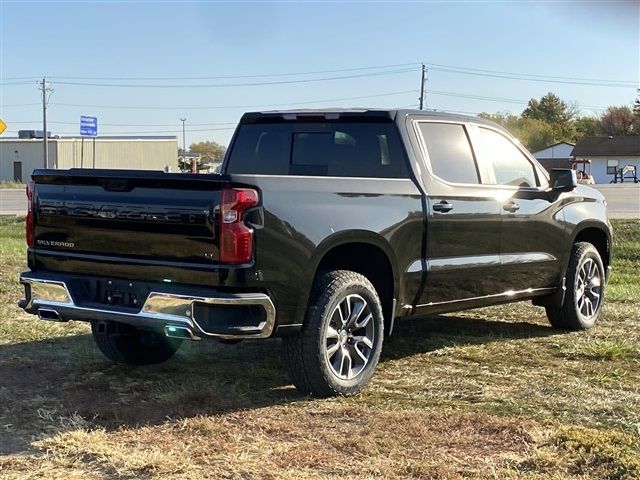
20,156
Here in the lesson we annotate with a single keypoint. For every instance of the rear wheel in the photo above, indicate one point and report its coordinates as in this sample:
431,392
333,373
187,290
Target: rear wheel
585,290
339,346
125,344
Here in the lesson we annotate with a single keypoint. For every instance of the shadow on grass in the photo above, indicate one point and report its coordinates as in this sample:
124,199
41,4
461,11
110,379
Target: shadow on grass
42,383
431,333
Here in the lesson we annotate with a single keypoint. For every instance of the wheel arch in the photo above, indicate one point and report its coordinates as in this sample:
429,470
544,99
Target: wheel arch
597,234
364,252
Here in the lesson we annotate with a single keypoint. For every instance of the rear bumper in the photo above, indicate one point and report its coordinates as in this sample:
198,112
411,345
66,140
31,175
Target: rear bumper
177,314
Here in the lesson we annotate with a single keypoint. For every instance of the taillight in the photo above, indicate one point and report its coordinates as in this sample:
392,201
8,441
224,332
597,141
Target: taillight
30,228
236,239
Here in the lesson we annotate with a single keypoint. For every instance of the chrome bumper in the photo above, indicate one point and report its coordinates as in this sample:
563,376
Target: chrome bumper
52,300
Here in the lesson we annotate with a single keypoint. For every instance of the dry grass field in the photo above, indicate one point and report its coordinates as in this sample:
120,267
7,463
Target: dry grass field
11,184
489,393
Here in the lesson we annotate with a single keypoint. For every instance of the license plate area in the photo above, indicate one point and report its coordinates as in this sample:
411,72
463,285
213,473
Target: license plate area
119,293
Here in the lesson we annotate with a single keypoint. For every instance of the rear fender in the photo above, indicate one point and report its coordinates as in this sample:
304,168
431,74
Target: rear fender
336,240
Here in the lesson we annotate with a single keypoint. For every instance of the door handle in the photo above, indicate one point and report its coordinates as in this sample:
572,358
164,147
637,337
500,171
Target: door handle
442,207
511,207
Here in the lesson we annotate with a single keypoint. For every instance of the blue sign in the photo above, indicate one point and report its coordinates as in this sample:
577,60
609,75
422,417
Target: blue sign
89,126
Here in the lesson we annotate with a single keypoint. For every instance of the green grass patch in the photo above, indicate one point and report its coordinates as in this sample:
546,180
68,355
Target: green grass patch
623,286
597,349
602,454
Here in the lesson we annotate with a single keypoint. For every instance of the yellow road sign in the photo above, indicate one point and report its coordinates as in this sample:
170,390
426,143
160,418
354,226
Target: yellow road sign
3,126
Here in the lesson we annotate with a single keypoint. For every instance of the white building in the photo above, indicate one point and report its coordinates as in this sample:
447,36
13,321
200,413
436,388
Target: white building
608,155
20,156
557,155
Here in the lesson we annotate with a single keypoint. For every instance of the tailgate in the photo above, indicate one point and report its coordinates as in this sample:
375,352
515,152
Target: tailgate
141,215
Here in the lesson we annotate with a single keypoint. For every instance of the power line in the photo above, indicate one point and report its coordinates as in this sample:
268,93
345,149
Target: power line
26,82
200,107
258,75
20,105
218,107
246,84
531,74
35,77
376,67
532,79
499,99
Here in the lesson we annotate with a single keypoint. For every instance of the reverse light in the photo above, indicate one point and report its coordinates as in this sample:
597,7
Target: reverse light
236,239
30,227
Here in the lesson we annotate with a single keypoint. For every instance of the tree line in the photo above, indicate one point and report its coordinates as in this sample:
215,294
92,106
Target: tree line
550,120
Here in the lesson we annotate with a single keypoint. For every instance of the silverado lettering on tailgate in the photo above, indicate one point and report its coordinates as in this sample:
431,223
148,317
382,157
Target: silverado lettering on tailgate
54,243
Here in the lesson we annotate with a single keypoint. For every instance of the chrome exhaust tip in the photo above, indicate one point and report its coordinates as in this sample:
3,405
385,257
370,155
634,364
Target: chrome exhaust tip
49,314
182,333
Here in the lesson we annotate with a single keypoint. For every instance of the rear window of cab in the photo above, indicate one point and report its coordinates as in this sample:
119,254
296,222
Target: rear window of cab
343,149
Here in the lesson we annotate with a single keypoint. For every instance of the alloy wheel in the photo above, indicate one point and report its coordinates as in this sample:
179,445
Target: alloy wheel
350,337
588,288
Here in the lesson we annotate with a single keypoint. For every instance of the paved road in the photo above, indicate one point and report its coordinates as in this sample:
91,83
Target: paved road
13,201
623,200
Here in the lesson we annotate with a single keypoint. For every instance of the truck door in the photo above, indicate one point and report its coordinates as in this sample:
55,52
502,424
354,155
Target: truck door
532,235
463,219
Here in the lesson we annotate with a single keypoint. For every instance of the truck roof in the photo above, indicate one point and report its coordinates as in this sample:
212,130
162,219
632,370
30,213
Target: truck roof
364,113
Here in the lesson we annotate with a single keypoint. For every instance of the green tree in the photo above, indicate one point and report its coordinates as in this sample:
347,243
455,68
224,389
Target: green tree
209,150
550,109
636,112
532,133
587,126
618,121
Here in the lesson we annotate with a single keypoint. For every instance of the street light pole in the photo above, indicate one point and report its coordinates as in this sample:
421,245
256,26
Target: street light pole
184,144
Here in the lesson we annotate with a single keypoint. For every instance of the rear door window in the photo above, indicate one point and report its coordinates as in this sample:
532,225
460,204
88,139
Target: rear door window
449,152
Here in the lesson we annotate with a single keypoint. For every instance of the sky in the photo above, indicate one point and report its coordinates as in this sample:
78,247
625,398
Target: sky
141,66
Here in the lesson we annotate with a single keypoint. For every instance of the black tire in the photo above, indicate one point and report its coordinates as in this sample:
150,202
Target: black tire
125,344
571,315
311,366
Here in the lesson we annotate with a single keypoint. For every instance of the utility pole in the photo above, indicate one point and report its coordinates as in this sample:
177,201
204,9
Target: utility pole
46,94
422,85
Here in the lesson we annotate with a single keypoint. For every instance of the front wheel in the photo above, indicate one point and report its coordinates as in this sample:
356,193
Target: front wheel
585,290
125,344
339,346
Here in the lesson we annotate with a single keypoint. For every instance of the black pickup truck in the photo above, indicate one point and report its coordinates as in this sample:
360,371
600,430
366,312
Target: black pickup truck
323,228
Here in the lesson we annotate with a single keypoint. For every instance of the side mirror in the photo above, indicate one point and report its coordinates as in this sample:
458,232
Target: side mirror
563,179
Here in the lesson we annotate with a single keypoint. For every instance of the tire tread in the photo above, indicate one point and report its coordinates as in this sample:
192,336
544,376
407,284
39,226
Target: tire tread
300,352
565,317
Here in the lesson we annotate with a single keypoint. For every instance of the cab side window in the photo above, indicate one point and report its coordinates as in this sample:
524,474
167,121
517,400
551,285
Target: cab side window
510,166
449,152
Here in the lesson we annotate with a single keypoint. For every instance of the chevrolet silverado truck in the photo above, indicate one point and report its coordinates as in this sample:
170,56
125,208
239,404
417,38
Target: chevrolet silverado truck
323,228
